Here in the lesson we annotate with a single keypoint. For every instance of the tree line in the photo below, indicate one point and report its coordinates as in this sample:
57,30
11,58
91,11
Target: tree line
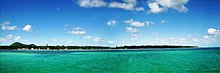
18,45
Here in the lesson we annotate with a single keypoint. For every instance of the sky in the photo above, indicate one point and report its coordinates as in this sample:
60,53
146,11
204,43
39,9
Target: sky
110,22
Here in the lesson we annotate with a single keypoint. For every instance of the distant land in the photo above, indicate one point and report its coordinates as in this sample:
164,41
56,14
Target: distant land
21,46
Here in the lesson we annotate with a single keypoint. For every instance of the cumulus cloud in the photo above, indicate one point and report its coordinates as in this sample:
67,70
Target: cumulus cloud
174,4
27,28
178,5
131,30
213,31
9,27
5,26
121,5
154,7
77,31
111,22
125,4
137,23
91,3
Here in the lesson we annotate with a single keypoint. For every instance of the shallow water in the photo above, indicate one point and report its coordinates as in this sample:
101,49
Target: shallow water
110,62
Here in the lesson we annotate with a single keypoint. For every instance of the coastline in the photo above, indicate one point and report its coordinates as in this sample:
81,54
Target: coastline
108,50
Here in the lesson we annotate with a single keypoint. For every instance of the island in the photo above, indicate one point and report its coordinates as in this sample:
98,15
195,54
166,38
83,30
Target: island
21,46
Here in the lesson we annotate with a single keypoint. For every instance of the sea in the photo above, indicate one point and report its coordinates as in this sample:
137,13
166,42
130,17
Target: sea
197,60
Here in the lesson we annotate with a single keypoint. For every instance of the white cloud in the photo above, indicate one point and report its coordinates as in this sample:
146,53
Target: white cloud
131,30
166,4
97,39
137,23
207,39
154,7
91,3
174,4
121,5
149,23
27,28
213,31
139,9
164,21
4,27
110,42
111,22
124,4
76,31
9,38
134,23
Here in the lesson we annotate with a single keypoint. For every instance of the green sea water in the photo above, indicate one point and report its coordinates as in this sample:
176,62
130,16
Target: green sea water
183,61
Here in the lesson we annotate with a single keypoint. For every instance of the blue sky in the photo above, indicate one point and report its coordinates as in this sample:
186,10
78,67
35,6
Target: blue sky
110,22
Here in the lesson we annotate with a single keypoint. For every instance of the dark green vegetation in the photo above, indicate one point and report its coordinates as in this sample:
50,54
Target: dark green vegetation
18,45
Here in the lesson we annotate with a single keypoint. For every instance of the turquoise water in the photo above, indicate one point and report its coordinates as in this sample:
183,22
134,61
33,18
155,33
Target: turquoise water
110,62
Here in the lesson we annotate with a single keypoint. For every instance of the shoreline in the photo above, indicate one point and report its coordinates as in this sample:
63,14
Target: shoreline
109,50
